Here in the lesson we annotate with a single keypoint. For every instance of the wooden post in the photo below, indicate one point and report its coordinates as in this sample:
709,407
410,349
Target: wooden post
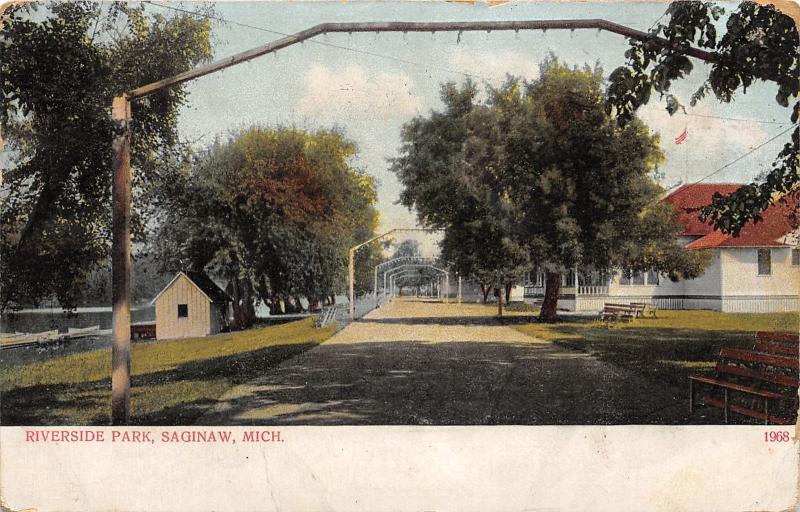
500,301
351,271
121,264
375,286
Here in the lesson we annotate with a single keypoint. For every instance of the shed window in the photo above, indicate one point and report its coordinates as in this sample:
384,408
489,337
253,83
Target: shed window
795,257
183,310
764,262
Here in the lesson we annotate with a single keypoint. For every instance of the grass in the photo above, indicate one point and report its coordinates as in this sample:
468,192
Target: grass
668,348
172,382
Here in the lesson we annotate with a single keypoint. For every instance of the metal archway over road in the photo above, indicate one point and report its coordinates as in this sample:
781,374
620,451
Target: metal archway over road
379,266
121,180
410,267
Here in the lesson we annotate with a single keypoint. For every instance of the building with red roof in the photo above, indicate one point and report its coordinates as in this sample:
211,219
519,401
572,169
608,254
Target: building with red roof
774,230
756,271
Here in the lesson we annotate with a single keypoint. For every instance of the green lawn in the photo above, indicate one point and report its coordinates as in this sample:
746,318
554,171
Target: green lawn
668,348
173,382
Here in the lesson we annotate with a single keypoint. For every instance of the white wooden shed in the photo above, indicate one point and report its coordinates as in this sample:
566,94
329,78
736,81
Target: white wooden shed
191,305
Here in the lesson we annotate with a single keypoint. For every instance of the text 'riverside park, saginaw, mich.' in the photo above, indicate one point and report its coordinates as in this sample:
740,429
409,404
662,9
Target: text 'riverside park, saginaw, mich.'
150,436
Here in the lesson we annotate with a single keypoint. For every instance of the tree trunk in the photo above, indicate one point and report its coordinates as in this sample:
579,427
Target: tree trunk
499,294
485,290
508,293
551,292
242,293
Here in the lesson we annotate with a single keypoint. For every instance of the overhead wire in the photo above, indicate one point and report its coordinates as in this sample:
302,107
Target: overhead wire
417,63
325,43
748,153
488,79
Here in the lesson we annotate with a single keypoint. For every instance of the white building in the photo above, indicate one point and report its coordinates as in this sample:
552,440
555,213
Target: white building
758,271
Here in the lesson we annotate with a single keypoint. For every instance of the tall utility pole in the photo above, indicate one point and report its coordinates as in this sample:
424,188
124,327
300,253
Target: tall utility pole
121,264
121,190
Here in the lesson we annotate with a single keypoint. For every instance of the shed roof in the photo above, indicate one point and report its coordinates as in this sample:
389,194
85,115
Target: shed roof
203,283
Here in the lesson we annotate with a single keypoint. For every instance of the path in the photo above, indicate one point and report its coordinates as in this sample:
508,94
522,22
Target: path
421,362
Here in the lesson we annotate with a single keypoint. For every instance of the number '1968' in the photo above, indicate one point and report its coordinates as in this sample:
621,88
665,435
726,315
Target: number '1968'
776,436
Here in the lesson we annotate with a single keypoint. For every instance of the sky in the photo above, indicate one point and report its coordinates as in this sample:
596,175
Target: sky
369,85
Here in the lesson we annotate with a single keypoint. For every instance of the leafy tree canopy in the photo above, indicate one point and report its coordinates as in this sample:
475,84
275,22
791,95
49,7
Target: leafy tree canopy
539,174
408,247
448,179
759,44
62,63
275,208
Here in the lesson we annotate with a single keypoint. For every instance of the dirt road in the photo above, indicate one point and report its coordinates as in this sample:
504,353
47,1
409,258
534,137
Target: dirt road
427,363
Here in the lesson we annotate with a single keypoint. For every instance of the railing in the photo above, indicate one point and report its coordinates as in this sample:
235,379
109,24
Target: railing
327,315
534,291
593,290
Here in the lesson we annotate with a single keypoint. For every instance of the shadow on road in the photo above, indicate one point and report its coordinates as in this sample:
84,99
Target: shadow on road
450,320
454,383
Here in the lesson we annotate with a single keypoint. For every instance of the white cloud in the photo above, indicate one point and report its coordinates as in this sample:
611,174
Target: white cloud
494,66
352,92
710,143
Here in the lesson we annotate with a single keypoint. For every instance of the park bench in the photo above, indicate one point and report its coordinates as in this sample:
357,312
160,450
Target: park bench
143,330
760,383
617,312
325,317
641,307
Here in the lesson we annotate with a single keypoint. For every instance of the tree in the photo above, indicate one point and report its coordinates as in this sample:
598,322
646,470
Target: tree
447,167
759,44
273,212
539,174
584,184
62,63
407,248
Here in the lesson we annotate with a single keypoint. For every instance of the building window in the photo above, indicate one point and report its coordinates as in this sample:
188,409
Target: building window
795,257
764,262
652,277
183,310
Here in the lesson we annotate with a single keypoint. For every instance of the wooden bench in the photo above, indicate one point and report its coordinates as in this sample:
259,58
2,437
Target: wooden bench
143,330
641,307
760,383
616,312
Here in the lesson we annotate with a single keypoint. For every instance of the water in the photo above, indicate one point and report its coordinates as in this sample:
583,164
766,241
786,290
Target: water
38,320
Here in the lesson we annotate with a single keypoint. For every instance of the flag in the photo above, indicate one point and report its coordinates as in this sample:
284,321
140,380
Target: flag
682,137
